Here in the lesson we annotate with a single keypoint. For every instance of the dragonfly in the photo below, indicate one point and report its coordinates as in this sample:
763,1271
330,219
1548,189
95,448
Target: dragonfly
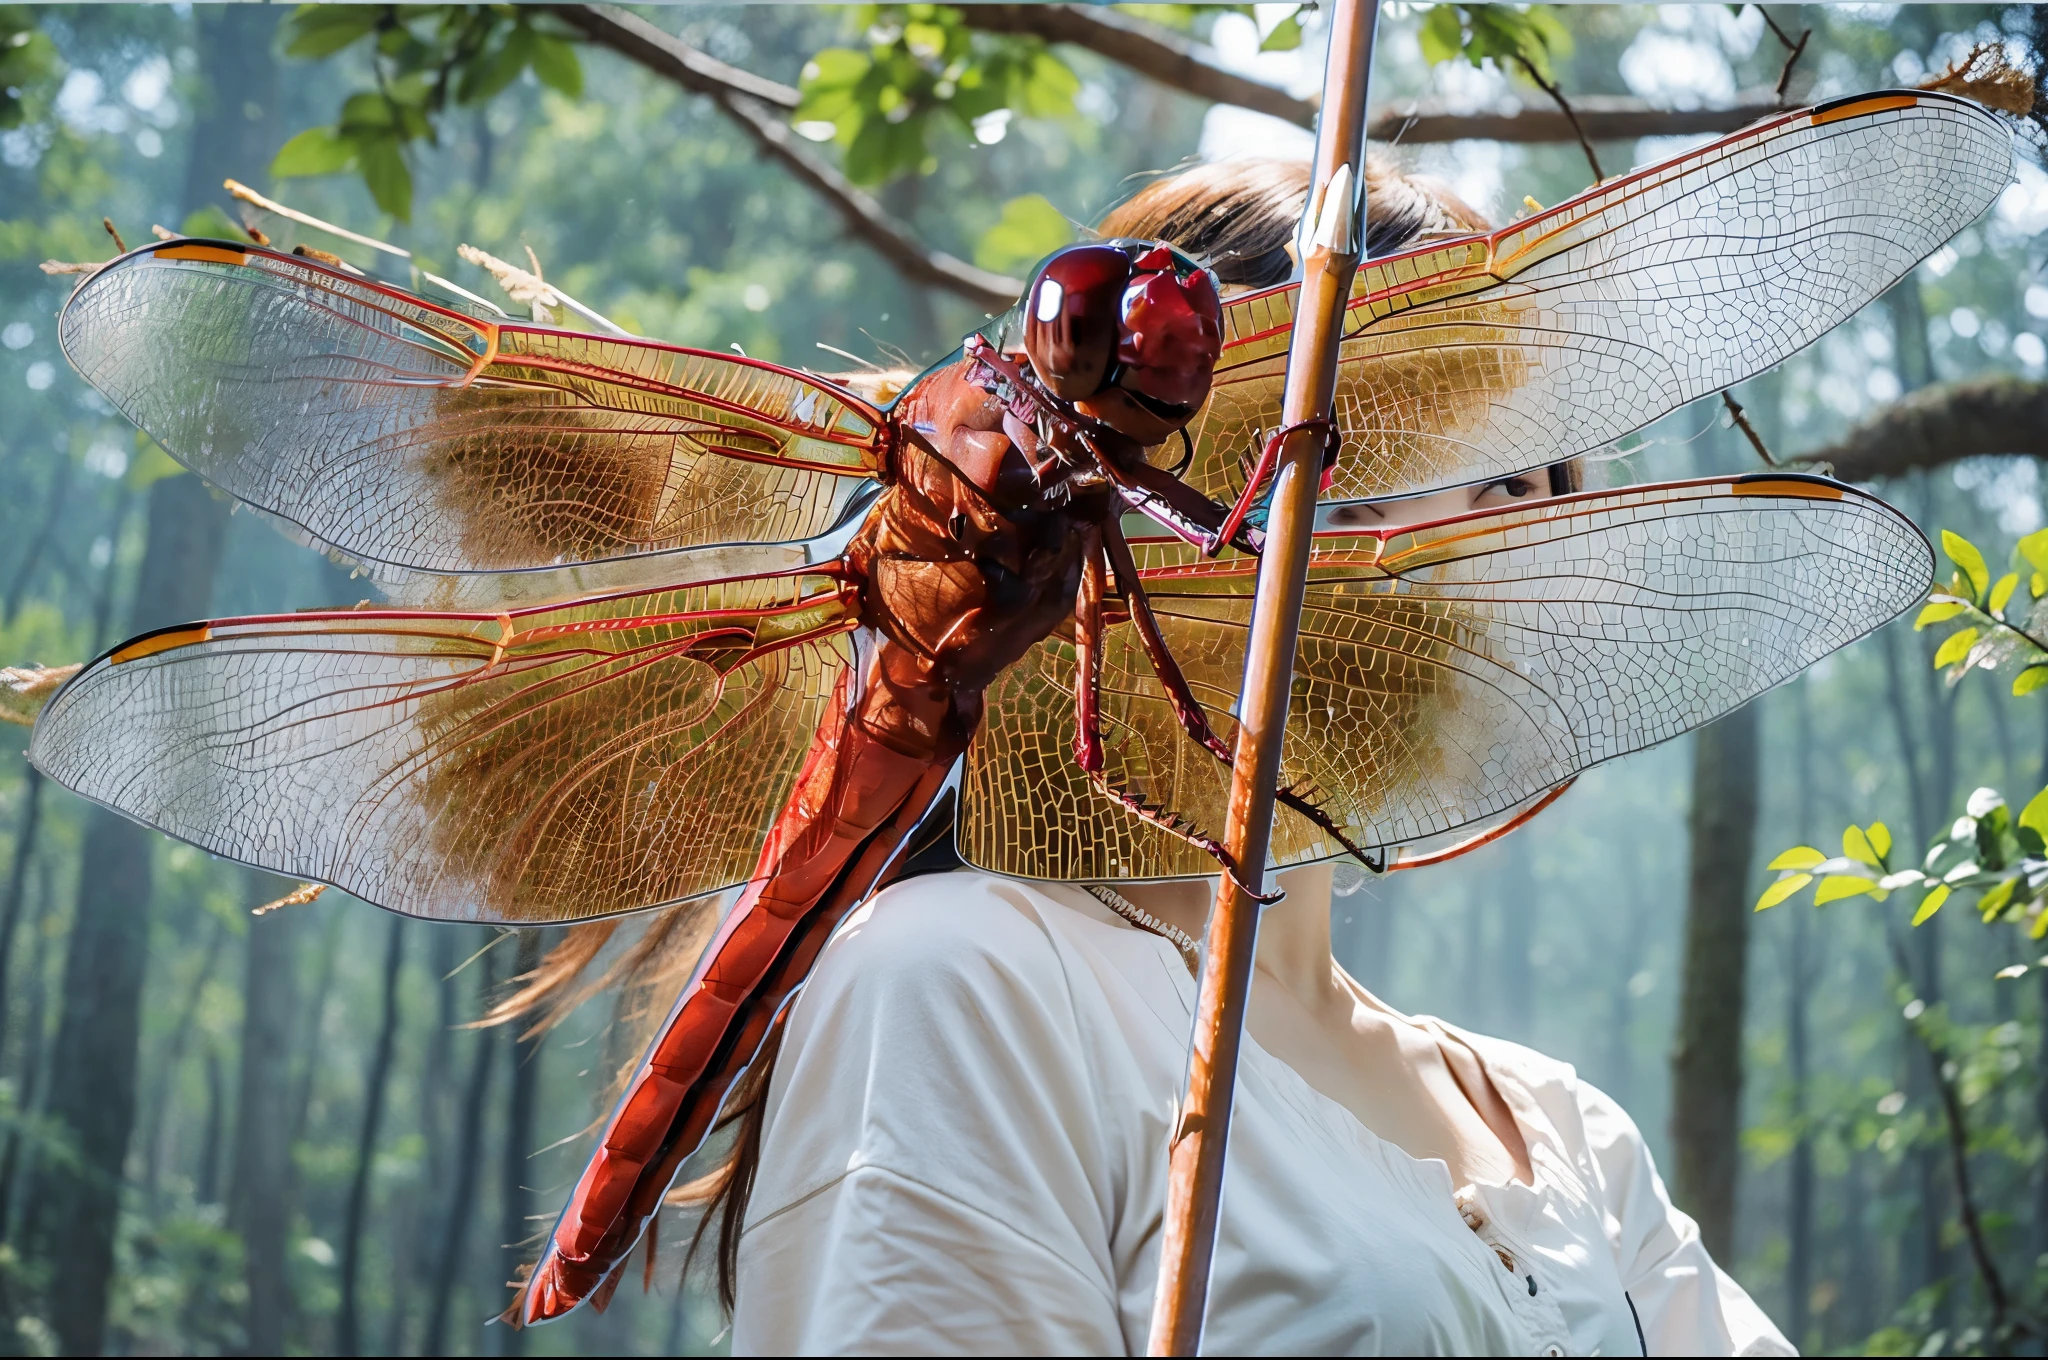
669,623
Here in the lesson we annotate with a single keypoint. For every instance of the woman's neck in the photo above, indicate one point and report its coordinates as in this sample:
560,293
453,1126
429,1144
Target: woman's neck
1294,933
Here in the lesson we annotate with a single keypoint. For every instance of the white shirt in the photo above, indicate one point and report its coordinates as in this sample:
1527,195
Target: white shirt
965,1151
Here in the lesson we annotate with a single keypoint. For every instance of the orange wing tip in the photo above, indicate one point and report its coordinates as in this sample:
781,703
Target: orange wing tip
191,250
1487,837
1813,490
166,641
1858,108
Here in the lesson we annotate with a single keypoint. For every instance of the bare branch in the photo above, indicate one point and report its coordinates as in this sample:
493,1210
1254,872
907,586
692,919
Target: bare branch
1601,118
1741,419
1151,51
1182,64
752,103
1791,61
1940,424
1563,106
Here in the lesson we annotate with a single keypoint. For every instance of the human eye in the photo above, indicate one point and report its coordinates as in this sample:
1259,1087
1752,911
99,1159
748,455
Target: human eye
1516,488
1354,514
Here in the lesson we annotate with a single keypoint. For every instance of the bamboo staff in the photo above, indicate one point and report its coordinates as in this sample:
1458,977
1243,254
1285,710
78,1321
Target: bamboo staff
1332,237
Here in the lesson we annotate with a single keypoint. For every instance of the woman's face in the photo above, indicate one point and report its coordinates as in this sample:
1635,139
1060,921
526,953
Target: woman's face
1521,489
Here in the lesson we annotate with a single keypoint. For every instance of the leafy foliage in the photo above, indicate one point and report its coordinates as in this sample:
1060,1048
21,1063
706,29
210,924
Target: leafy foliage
2001,628
1507,36
1284,36
923,68
425,58
1030,229
28,63
1988,851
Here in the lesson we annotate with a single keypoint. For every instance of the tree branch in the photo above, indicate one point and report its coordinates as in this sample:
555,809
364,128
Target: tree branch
757,105
1601,118
752,103
1940,424
1154,52
1557,97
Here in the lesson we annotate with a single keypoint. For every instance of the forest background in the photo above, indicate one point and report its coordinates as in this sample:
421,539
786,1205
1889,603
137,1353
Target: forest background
226,1133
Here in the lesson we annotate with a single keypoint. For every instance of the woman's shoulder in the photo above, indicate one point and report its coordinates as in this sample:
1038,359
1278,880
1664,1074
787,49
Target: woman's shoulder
965,939
928,927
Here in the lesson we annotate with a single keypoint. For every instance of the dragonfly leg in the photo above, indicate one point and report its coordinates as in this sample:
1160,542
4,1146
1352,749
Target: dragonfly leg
1194,719
1088,655
1088,752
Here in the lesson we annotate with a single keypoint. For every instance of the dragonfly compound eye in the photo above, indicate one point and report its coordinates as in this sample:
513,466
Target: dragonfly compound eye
1171,336
1070,318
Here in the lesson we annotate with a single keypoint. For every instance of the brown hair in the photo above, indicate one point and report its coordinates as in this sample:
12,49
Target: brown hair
1238,217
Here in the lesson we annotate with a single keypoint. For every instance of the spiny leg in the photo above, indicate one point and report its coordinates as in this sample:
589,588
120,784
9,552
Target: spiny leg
1088,753
1194,719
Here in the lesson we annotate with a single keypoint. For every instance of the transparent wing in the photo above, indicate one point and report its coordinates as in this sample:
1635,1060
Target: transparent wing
547,765
1549,338
1452,676
413,435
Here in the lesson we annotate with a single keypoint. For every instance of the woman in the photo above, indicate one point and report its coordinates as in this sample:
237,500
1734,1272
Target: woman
962,1144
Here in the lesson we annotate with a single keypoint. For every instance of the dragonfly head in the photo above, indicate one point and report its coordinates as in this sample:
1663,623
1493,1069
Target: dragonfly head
1128,332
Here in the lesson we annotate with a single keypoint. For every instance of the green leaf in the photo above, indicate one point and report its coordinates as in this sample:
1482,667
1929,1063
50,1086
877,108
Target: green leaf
1798,857
316,151
2031,679
1994,901
386,175
555,66
1442,36
1880,838
1286,35
1964,554
2034,816
210,221
489,73
1938,611
150,464
1838,887
1956,648
2002,592
322,30
1029,229
1856,846
1930,904
1781,890
2034,548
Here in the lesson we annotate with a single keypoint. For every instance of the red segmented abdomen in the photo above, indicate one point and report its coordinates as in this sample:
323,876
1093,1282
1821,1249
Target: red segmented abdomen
855,802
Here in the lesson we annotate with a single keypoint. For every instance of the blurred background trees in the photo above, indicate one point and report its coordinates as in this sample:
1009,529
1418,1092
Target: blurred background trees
231,1133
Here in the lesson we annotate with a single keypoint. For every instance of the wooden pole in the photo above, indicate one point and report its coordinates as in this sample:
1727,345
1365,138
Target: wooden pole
1331,240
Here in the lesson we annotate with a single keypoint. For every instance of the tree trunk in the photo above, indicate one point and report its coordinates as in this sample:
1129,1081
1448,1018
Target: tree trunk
155,1134
14,1175
216,1121
514,1195
1706,1069
92,1093
349,1327
1800,1174
53,514
443,954
17,877
260,1205
462,1178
